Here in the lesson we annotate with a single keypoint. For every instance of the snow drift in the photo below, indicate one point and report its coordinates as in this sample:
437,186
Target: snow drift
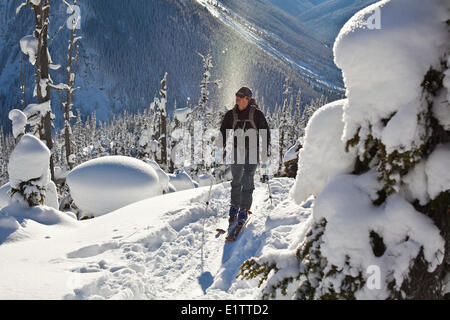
105,184
181,181
323,155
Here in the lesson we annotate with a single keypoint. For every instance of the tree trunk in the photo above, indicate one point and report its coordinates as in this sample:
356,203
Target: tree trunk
41,12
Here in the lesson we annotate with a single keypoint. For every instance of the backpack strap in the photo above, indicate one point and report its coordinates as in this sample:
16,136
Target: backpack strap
251,117
235,118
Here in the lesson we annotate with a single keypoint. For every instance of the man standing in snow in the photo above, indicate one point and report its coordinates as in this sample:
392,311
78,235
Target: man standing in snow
248,124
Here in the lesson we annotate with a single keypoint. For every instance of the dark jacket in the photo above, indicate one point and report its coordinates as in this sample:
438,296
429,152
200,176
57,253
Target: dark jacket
259,119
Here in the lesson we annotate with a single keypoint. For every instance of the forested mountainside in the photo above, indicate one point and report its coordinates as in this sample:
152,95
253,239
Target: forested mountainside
325,17
127,48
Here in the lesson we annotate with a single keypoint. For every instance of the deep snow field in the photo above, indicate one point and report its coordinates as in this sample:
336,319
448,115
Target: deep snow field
160,248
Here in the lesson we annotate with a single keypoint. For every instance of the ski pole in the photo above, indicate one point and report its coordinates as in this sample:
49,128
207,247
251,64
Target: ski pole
207,205
268,185
211,183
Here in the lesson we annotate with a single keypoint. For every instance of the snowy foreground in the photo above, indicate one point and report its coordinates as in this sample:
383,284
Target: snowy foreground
152,249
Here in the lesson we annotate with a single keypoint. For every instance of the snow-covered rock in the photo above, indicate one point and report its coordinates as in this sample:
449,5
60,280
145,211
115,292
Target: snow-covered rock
323,155
105,184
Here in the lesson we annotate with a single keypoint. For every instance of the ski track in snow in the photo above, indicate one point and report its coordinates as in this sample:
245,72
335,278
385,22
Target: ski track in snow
180,261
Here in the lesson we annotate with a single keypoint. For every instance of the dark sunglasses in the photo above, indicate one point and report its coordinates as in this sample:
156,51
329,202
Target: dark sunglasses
240,95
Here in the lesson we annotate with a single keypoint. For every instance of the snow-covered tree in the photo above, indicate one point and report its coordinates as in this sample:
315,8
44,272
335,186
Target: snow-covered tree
72,56
29,173
284,123
298,114
162,102
377,163
203,118
35,47
203,112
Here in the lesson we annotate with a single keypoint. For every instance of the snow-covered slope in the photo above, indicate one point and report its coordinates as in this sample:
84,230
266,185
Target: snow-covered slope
160,248
281,35
293,7
328,17
325,17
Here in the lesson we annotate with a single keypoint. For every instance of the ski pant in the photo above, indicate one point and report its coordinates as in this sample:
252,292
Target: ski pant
242,185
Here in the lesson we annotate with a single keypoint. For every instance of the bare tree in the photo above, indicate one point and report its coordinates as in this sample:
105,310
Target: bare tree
36,47
163,121
72,56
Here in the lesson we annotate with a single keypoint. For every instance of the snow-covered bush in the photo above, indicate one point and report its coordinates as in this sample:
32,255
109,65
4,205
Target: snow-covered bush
29,173
105,184
380,225
50,200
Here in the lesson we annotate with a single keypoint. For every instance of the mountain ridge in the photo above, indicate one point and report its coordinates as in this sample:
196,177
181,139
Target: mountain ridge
122,62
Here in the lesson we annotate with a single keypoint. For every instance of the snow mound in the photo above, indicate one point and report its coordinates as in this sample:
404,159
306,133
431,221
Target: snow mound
181,181
163,177
18,222
323,155
105,184
204,180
